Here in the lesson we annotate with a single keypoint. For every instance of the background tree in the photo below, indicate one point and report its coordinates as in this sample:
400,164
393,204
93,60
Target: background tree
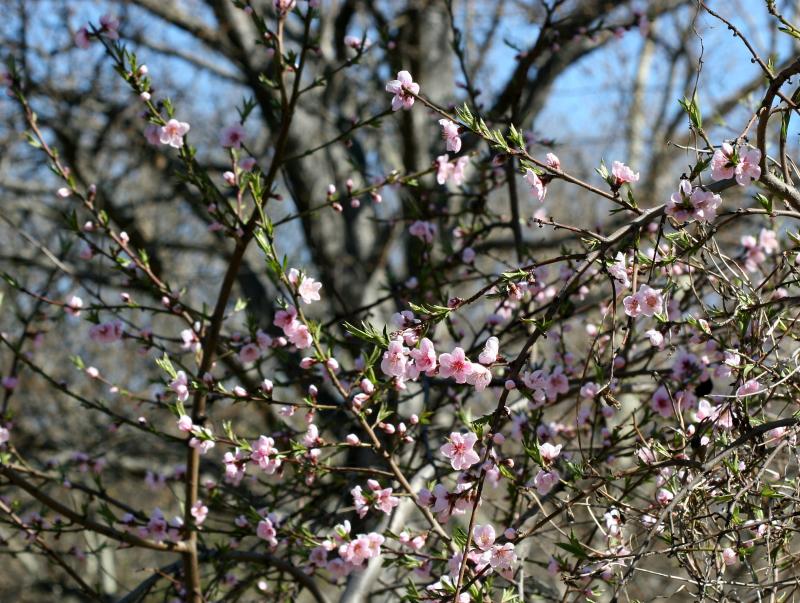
188,417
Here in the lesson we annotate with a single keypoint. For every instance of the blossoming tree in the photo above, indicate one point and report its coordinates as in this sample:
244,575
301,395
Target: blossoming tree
425,372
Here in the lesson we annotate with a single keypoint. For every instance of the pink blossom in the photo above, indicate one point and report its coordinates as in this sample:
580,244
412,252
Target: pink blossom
232,136
656,338
395,359
768,241
443,168
537,186
266,531
646,455
190,340
180,385
153,134
480,377
450,135
185,423
705,204
489,353
622,174
318,556
110,26
385,501
483,536
359,501
557,383
679,205
446,170
173,132
361,548
613,520
425,231
687,204
459,449
301,337
458,170
264,454
404,90
355,43
249,353
285,6
503,556
553,161
664,496
107,332
741,163
309,290
424,357
589,390
82,38
751,387
549,452
661,402
286,319
619,270
311,436
723,163
729,556
545,480
368,387
5,435
203,440
157,526
199,511
647,302
455,365
234,467
73,306
650,300
632,306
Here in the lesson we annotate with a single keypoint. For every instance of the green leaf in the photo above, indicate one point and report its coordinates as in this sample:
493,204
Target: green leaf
368,333
166,365
764,201
692,109
573,546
